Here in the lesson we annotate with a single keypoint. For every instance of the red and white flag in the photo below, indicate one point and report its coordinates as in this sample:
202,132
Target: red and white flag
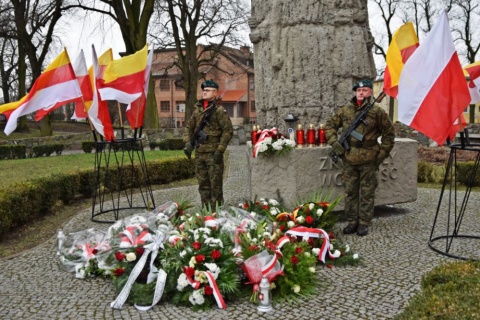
473,71
56,85
432,92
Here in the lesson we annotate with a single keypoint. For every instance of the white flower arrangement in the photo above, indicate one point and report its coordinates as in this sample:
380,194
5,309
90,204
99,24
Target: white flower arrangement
276,146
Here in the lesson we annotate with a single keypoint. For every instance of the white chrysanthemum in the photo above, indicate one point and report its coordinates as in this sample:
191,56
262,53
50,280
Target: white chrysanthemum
300,219
183,253
311,269
268,140
277,145
182,282
131,256
355,256
262,147
296,288
336,254
214,269
316,251
273,202
290,143
319,212
291,224
274,211
197,297
253,214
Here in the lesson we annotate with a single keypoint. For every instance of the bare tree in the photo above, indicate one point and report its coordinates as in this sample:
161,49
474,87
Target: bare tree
184,24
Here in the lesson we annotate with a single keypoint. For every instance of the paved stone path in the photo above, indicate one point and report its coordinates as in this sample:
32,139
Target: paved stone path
395,255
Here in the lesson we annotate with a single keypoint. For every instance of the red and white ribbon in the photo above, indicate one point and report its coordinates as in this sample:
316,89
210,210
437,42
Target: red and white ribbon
210,222
314,233
129,238
266,133
216,291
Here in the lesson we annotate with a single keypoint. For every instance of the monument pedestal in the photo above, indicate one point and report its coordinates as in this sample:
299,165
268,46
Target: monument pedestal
294,177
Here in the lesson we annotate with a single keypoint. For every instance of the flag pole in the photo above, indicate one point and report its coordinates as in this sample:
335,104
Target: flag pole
121,119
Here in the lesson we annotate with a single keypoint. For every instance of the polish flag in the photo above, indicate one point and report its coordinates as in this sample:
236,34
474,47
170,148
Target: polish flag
473,71
432,92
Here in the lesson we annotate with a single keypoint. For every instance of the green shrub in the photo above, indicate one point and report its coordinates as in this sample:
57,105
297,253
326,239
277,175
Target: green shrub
171,144
26,201
87,146
152,145
12,152
430,173
47,149
464,172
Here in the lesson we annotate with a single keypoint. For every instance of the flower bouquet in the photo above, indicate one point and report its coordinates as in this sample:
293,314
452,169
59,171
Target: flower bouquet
201,265
271,142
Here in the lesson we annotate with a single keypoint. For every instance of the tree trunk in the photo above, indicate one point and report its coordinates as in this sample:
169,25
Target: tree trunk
45,126
151,112
472,113
22,89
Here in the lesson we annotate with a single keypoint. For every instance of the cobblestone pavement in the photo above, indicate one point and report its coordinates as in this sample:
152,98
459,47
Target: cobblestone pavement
395,255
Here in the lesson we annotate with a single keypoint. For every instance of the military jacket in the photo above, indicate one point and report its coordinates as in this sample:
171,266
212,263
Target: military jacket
219,127
377,124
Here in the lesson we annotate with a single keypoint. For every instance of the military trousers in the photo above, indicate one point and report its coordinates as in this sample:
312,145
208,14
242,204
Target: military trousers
210,179
360,182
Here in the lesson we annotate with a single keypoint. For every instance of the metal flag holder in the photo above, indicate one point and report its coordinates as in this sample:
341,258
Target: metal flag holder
456,206
120,170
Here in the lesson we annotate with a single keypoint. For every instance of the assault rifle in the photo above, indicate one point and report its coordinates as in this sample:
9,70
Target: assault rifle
351,132
200,136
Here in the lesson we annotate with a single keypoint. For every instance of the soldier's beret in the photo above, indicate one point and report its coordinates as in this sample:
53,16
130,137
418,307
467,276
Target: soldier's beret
362,84
209,84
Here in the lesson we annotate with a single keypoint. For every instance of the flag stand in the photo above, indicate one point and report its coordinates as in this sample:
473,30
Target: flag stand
451,213
120,168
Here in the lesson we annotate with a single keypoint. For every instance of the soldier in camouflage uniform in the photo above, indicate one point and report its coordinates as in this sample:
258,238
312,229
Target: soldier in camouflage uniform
362,160
209,164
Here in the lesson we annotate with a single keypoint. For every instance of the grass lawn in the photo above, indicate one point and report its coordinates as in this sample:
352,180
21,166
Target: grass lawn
13,171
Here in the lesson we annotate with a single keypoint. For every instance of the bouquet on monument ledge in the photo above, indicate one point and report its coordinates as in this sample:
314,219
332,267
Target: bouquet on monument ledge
271,142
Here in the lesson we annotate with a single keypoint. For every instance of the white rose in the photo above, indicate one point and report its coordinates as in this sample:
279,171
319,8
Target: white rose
192,262
311,206
131,256
355,256
311,269
300,219
253,214
291,224
307,254
296,288
319,212
316,251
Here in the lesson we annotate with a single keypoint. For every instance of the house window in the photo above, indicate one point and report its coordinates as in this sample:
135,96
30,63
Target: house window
252,84
252,106
164,85
180,106
164,106
179,86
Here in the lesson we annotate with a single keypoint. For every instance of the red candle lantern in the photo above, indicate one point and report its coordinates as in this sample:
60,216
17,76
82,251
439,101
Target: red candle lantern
311,136
253,135
300,136
322,138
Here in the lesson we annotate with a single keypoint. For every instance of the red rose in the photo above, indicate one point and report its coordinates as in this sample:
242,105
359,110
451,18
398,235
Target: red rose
309,220
331,235
190,272
298,250
245,206
119,256
200,258
196,245
180,212
208,290
282,228
118,272
264,207
216,254
253,247
94,251
139,251
311,242
294,260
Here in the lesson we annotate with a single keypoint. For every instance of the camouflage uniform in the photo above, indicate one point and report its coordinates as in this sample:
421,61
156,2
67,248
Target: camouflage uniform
361,161
220,131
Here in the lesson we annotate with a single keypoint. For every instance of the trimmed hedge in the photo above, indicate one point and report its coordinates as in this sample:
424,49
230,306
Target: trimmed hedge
167,144
431,173
9,152
25,201
47,150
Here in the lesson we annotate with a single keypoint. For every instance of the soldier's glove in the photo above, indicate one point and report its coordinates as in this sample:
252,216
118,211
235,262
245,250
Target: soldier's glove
382,155
188,150
338,148
218,157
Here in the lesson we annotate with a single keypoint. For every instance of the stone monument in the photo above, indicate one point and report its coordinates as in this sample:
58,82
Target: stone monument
308,53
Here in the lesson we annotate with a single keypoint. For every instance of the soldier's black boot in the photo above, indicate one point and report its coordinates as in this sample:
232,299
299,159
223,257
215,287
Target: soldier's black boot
351,228
362,230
